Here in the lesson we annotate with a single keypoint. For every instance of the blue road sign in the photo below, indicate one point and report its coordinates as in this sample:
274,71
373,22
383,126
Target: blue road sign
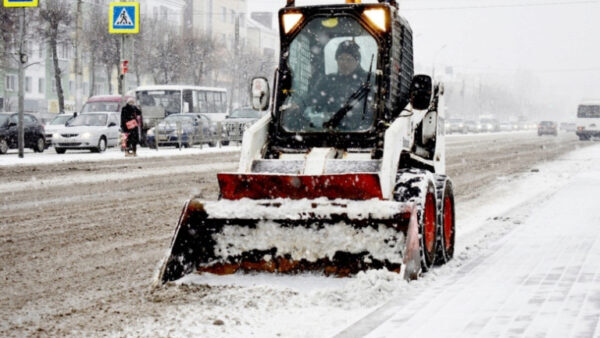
124,18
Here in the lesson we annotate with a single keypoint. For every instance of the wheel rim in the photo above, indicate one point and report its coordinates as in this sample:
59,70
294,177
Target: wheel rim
102,144
40,144
3,146
448,222
429,222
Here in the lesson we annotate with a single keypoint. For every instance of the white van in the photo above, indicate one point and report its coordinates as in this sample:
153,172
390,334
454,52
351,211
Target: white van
588,120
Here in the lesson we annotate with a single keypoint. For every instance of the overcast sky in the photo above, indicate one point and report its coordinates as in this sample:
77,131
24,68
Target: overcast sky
555,42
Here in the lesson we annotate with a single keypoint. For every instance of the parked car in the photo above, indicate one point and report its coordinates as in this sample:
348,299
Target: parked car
471,126
507,126
568,126
547,128
9,132
93,131
241,119
455,126
487,125
55,124
168,134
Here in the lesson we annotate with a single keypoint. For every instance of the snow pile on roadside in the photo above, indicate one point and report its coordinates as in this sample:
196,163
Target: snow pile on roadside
50,157
89,178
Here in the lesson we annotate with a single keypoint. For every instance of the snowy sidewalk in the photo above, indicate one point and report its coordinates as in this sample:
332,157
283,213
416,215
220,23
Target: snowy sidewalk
540,280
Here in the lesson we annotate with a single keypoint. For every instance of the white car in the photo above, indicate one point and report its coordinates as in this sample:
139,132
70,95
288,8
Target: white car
55,124
93,131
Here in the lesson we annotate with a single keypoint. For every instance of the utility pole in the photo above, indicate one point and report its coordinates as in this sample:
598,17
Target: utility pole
121,72
124,19
22,62
78,86
236,57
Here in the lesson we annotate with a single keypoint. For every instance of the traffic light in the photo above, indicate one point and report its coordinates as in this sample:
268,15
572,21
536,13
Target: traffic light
124,66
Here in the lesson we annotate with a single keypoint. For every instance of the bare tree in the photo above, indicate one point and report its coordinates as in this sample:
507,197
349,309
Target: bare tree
93,35
198,56
9,43
8,27
110,55
57,16
165,56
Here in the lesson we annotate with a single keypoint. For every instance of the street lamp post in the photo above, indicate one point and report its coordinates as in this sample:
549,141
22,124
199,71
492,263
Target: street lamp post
21,101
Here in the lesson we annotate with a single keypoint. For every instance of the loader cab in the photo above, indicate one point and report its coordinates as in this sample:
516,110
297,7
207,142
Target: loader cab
343,70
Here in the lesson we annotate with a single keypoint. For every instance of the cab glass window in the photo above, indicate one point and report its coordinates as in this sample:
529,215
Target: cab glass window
329,86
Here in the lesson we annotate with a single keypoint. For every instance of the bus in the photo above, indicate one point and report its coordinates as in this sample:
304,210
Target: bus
588,120
159,101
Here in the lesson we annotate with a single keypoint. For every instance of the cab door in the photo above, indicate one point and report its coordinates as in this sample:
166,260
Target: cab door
30,130
13,131
113,130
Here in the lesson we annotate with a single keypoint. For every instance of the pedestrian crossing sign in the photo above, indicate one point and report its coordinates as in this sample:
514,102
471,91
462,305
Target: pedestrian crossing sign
20,3
124,18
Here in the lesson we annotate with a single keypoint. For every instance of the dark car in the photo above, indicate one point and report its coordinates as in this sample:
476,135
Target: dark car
547,128
9,131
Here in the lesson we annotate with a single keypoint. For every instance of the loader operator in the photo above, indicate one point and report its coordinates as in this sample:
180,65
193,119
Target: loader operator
332,92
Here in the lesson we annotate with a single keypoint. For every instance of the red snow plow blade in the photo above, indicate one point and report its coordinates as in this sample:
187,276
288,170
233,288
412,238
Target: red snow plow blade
290,224
261,186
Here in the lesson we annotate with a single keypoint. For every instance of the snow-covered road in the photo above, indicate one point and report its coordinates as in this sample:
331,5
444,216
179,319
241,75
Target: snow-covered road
526,265
542,278
82,235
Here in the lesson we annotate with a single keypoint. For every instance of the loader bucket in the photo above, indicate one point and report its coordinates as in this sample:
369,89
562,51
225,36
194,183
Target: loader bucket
337,237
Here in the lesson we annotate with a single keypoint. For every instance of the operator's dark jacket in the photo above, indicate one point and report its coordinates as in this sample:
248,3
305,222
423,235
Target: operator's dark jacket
332,91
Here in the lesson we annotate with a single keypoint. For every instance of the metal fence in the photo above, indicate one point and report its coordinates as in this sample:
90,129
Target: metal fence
205,133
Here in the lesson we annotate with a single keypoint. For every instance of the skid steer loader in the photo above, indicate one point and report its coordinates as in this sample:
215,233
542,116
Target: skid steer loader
345,174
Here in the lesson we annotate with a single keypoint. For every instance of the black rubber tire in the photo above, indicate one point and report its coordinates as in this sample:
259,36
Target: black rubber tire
446,213
60,150
101,145
40,145
409,188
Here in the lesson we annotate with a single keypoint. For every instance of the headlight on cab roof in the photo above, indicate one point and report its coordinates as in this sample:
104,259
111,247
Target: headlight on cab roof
378,17
290,20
